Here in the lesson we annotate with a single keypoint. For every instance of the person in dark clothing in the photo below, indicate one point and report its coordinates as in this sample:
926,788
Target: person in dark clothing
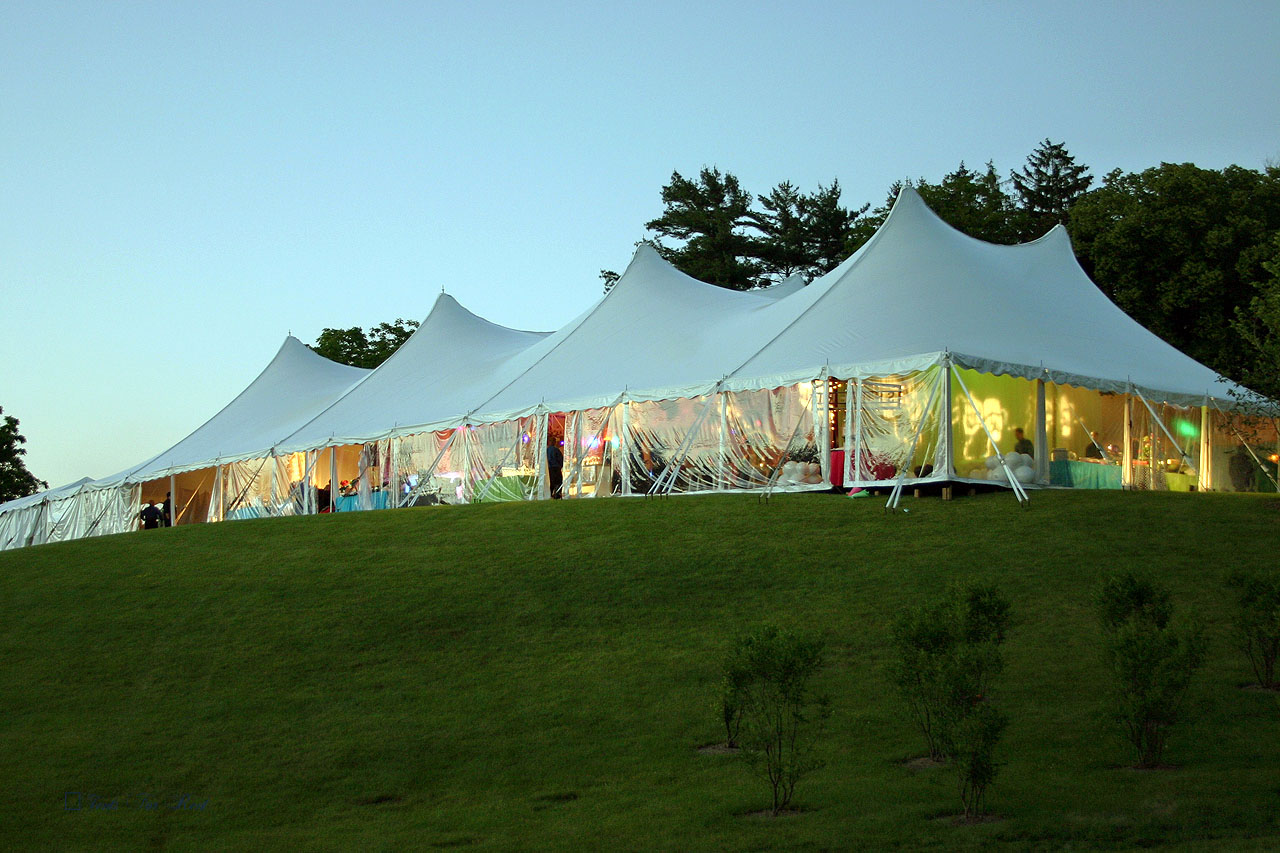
1094,450
166,509
1241,467
151,517
1022,444
555,466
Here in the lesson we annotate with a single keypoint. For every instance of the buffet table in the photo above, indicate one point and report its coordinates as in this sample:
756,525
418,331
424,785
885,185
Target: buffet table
1084,475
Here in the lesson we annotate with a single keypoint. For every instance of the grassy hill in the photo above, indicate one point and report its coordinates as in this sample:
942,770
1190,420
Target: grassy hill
539,676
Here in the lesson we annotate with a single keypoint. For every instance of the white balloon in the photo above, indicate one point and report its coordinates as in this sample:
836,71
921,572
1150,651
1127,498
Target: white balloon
993,462
1025,474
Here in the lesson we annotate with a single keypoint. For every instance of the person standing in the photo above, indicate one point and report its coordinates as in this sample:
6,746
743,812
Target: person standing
555,466
166,509
1022,444
151,517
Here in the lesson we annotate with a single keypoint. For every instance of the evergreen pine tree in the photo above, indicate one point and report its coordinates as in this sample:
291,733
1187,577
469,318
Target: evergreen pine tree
709,215
1048,185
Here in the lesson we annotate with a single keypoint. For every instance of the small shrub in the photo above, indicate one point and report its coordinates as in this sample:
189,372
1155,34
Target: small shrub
975,737
1128,597
947,652
1257,624
781,717
1153,663
733,684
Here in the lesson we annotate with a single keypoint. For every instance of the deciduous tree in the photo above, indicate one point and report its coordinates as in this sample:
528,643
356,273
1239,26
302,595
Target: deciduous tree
359,348
15,480
1181,250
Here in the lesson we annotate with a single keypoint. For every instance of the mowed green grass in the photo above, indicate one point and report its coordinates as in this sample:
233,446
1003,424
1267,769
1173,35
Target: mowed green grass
539,676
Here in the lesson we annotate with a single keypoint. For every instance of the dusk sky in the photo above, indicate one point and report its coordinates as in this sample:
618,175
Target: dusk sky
184,184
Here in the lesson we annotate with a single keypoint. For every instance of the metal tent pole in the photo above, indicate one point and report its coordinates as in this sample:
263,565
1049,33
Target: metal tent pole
724,430
948,435
624,446
1126,452
1042,435
1018,491
857,438
275,484
544,483
822,425
1205,479
856,386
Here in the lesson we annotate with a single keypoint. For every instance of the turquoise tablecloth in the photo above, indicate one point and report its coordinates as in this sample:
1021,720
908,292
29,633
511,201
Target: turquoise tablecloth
351,503
1084,475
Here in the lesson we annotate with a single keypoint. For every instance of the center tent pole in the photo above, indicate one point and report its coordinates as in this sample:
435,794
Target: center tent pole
624,447
173,500
847,427
466,461
822,424
1126,455
1042,435
393,485
333,480
856,465
1206,448
222,494
948,436
541,438
275,484
724,435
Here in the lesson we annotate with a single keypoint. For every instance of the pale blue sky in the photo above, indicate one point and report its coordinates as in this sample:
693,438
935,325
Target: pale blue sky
182,184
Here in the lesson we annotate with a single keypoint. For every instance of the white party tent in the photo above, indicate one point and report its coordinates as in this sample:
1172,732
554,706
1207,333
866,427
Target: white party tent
222,460
459,412
912,362
1024,338
48,516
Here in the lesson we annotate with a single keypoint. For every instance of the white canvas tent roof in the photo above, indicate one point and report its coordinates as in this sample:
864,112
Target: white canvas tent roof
47,495
920,288
292,388
658,334
646,330
435,376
